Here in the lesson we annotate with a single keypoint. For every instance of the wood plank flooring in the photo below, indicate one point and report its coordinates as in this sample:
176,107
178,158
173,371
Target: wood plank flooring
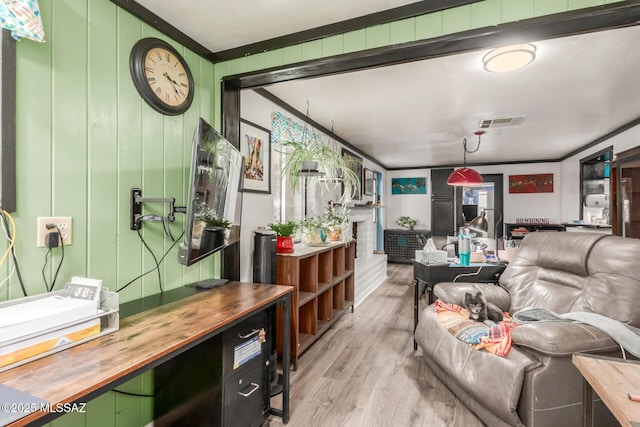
364,371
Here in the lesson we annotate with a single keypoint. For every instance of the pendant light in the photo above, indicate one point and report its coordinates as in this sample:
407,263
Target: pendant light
464,175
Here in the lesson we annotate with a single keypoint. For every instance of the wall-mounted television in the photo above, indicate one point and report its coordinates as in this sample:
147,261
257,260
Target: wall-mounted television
215,182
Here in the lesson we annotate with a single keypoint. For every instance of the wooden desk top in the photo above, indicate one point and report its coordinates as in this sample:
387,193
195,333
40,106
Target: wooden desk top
143,341
613,379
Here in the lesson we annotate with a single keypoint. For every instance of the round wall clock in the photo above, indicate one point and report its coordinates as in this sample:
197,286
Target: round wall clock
161,76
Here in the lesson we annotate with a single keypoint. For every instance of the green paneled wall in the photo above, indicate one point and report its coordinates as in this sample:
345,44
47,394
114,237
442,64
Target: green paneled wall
85,137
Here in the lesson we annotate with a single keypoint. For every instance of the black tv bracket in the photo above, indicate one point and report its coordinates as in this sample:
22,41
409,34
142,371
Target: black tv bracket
135,209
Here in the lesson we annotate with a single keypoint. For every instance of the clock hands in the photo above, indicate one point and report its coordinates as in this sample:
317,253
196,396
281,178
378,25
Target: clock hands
173,82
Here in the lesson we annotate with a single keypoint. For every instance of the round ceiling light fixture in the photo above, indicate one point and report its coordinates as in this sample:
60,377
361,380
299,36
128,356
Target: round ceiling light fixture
509,58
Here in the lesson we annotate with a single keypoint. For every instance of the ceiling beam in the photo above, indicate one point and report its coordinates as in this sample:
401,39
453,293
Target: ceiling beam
383,17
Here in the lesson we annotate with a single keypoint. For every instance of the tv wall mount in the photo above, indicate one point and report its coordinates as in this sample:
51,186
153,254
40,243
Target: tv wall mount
135,209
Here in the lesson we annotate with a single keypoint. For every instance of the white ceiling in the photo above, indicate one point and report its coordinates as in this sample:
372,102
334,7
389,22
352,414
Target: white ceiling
579,88
224,24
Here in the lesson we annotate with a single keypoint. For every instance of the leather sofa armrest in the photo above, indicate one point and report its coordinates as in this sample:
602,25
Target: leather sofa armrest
562,338
453,293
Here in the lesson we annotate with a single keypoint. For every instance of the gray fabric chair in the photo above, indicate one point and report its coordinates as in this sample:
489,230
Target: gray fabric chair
537,384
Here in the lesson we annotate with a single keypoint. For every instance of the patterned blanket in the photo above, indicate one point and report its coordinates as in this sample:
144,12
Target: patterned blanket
491,336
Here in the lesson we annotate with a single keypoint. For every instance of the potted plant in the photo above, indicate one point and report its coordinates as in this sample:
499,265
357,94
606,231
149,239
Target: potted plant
407,222
313,156
284,235
214,232
336,221
315,229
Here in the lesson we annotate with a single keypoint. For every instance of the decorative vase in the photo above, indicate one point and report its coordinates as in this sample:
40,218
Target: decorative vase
284,244
315,236
410,227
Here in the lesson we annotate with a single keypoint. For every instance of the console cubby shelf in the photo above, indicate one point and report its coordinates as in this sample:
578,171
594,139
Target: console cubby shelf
323,290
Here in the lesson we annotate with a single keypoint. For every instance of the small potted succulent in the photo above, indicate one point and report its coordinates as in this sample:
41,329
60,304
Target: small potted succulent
407,222
214,232
284,235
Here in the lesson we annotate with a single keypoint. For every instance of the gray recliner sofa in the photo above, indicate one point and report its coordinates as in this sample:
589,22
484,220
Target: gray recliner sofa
537,384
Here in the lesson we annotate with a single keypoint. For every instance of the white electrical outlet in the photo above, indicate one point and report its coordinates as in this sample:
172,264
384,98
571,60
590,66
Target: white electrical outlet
63,223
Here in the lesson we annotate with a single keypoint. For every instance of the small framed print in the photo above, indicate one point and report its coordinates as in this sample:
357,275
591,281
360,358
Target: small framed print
368,182
255,145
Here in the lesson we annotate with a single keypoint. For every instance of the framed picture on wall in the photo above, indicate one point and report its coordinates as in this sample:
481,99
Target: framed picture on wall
369,182
255,145
355,164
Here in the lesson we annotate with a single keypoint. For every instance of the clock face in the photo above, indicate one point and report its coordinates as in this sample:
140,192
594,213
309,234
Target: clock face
161,76
166,76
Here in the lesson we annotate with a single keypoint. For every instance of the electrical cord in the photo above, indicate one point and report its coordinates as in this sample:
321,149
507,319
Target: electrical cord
159,262
470,274
132,394
154,259
55,276
11,236
44,277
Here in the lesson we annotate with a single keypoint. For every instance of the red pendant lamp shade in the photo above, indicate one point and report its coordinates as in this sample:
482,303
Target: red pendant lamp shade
464,175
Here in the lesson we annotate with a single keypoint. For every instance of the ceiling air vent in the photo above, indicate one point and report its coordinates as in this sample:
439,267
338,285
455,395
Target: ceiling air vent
501,122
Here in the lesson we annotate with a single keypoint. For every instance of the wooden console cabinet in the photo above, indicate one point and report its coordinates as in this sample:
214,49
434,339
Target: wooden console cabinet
323,290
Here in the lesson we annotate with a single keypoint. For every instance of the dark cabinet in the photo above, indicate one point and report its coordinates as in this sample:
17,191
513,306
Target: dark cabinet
401,245
627,167
224,381
445,199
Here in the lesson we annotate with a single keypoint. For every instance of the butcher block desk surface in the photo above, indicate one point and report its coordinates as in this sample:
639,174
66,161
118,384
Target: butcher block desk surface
144,340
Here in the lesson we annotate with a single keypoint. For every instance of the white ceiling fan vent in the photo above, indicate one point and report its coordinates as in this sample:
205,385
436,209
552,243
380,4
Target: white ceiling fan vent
501,122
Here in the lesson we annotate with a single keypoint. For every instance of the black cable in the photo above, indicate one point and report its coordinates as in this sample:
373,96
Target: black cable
167,230
154,259
55,276
46,258
161,259
13,252
132,394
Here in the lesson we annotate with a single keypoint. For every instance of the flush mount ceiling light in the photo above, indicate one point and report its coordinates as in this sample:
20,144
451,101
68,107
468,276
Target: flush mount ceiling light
509,58
464,175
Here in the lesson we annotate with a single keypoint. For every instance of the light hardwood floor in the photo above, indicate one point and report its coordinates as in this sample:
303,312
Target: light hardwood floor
364,371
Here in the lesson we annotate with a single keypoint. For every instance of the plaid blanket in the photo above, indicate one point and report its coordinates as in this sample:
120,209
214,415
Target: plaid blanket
491,336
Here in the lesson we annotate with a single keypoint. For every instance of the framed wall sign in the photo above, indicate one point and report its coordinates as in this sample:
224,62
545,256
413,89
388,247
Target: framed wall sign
255,145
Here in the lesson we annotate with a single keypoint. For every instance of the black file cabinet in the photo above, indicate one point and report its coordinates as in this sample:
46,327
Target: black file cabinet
221,382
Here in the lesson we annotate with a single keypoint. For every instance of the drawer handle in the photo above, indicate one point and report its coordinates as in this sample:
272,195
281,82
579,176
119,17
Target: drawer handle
254,388
250,334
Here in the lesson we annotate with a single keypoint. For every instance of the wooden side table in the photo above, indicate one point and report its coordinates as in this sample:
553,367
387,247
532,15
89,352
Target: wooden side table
613,379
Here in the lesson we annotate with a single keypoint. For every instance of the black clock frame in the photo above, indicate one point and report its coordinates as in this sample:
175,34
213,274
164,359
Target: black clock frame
136,66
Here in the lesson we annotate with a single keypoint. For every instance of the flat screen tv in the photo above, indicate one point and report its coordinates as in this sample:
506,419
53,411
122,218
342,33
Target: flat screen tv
214,204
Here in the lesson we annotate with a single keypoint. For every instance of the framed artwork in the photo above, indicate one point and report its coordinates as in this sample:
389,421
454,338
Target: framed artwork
255,145
416,185
355,164
538,183
369,182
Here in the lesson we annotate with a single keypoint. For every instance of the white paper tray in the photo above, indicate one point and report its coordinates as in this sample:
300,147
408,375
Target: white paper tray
107,313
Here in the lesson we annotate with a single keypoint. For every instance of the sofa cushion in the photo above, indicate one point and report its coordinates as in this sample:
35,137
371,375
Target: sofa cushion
495,381
562,338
